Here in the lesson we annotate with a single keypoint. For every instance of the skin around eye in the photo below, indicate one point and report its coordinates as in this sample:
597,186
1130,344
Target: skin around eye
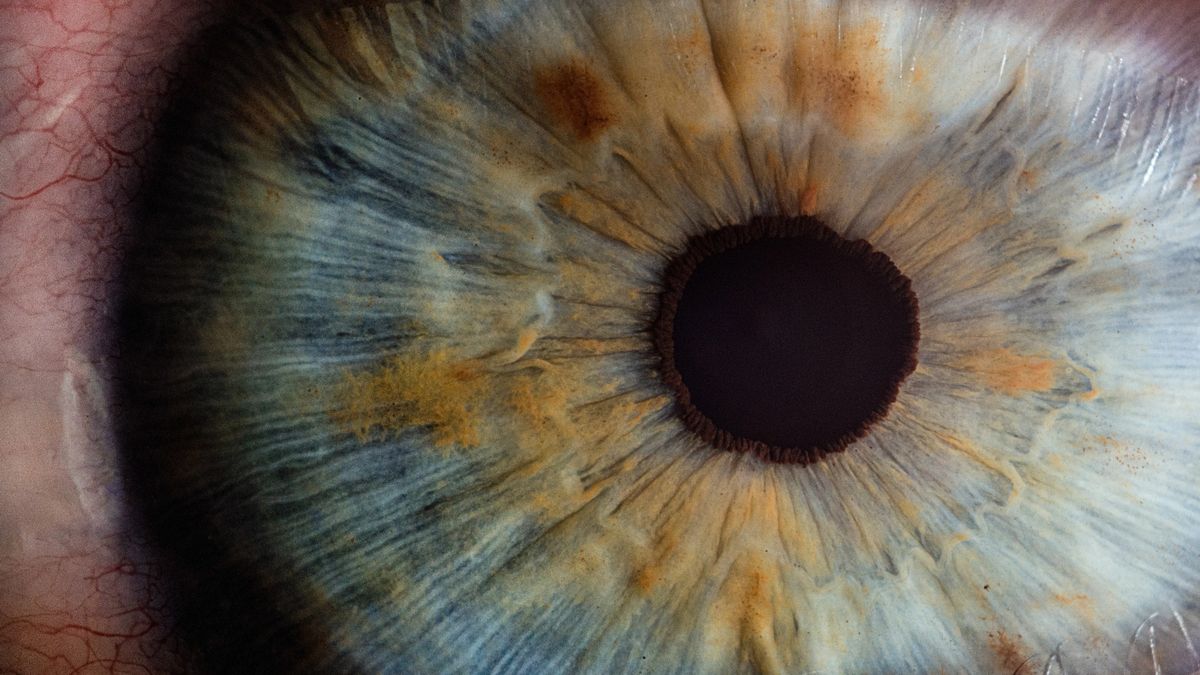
84,84
385,367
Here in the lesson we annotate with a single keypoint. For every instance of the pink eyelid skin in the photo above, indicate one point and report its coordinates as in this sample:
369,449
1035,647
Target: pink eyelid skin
83,84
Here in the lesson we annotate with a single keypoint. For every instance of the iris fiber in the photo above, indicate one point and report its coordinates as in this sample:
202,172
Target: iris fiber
783,339
396,402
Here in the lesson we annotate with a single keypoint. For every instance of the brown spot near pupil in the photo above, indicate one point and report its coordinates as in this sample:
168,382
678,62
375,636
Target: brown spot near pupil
1009,650
575,98
784,339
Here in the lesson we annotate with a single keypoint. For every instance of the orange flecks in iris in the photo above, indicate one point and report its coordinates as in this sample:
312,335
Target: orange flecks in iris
650,575
572,205
537,403
599,217
526,339
692,49
543,502
842,77
575,98
528,404
1079,602
754,600
908,509
840,71
1009,372
646,578
414,391
746,606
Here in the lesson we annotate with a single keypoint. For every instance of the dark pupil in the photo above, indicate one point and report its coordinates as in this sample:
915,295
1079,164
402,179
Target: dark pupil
797,341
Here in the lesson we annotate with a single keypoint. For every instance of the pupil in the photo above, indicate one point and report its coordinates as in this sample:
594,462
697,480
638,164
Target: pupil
784,339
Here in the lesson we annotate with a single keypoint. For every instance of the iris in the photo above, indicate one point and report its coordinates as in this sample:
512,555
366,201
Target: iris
398,405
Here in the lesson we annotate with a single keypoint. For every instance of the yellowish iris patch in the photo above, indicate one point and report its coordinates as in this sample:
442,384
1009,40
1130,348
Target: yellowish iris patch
412,390
1010,372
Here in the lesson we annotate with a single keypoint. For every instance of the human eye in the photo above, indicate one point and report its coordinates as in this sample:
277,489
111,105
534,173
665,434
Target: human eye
398,392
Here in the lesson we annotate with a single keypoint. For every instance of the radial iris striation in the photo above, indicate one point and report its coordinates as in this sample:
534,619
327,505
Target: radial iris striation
398,403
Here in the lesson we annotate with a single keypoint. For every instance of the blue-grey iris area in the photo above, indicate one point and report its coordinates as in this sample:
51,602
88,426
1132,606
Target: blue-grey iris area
393,406
271,509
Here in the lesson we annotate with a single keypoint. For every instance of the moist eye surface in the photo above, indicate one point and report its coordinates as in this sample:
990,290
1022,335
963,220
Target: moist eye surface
395,370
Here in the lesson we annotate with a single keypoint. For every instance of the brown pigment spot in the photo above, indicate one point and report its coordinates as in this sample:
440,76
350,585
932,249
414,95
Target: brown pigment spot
1128,456
575,98
841,75
646,578
1009,650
